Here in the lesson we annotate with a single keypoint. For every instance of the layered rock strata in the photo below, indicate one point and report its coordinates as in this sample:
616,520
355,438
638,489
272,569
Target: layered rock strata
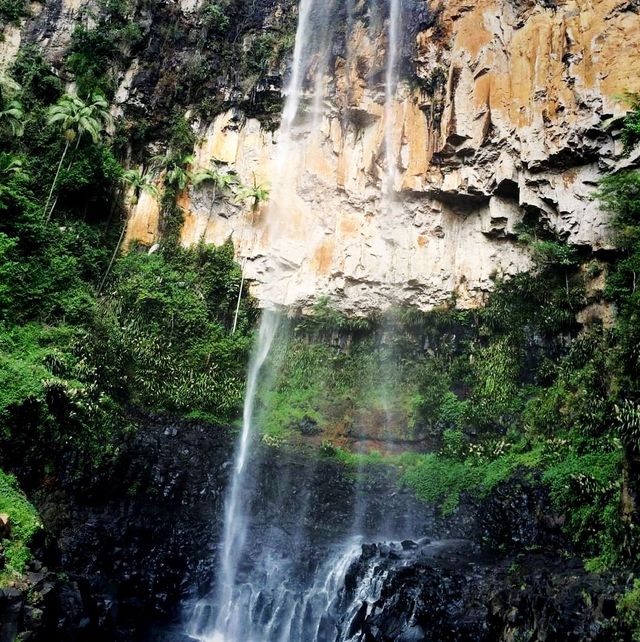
506,122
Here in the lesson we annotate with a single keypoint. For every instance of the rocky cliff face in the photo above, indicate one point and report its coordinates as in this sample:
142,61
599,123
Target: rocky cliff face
499,116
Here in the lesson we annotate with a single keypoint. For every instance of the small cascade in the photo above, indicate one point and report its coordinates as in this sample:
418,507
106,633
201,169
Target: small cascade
293,91
322,65
282,603
235,519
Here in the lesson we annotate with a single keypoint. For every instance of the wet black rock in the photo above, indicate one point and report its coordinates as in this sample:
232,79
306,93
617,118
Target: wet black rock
129,541
450,591
307,426
135,539
132,541
517,514
10,611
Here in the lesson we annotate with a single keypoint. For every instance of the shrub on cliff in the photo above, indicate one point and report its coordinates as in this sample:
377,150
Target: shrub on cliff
11,11
165,323
629,608
22,524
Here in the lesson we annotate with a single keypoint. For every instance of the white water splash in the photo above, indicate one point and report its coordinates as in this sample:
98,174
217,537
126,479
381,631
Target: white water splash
275,607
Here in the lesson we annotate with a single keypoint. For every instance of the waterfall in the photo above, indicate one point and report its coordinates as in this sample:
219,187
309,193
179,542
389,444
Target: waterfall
293,91
274,585
322,65
235,518
391,81
275,606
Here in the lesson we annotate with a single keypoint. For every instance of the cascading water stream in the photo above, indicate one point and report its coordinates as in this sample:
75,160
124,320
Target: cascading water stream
391,81
322,66
235,518
274,590
293,91
235,522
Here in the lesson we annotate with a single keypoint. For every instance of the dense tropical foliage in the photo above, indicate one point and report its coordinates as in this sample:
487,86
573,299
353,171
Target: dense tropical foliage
87,331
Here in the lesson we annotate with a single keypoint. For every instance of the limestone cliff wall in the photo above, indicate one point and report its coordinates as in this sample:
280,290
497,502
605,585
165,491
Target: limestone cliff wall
500,117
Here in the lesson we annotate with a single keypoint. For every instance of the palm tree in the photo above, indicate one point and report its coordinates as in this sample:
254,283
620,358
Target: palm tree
177,170
13,115
75,117
222,182
137,182
177,176
257,193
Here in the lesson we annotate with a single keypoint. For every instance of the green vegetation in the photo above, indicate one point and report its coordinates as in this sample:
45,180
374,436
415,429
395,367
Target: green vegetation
441,479
631,124
24,523
629,606
251,57
87,332
165,325
96,53
163,318
76,118
365,389
11,11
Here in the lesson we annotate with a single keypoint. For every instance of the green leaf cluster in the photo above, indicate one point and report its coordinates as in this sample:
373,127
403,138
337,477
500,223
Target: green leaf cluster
11,11
24,523
629,608
165,320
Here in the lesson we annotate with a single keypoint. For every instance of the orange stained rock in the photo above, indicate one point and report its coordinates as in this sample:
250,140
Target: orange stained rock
482,90
184,200
218,231
323,257
189,232
317,162
586,44
144,220
471,33
621,46
349,226
416,136
529,76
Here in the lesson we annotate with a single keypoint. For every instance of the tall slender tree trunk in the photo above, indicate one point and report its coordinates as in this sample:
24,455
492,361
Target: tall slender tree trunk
242,271
209,213
55,180
53,207
73,155
115,196
113,257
